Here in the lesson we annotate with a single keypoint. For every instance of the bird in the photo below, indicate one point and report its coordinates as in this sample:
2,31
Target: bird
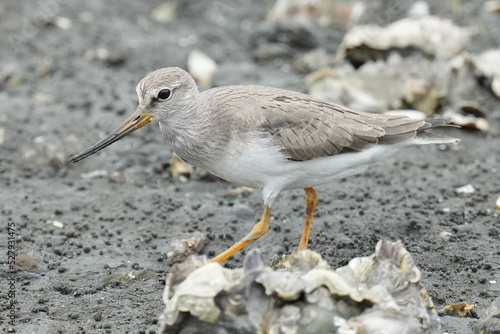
266,138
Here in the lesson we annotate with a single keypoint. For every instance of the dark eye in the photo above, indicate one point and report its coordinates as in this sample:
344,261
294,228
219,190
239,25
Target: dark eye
164,94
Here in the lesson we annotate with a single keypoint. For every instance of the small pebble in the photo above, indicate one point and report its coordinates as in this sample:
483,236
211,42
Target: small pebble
463,228
26,262
63,23
278,250
180,168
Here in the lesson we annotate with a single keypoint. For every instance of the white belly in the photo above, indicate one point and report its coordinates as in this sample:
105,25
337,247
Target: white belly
263,165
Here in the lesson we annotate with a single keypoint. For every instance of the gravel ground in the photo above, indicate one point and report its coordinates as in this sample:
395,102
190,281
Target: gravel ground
64,83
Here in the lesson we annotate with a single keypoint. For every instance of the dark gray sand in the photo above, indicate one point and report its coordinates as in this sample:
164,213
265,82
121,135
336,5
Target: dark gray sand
62,88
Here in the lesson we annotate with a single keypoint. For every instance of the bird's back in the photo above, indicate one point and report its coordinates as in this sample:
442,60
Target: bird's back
306,128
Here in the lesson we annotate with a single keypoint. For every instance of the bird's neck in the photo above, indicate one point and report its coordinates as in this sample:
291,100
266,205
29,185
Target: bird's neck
189,134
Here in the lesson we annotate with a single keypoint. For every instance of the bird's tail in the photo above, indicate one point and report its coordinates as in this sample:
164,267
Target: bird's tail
424,138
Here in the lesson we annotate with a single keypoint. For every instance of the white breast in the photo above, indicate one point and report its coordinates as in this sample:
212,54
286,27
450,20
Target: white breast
255,164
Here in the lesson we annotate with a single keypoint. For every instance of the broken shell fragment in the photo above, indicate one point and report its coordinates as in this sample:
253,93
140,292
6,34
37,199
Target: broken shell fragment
377,294
492,6
413,82
458,309
435,36
187,246
486,65
490,321
178,167
239,190
469,116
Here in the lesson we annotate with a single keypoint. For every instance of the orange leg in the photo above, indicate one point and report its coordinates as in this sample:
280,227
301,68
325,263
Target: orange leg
257,231
310,207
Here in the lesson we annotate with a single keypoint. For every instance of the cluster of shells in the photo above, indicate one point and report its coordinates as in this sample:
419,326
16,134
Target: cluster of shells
381,293
417,62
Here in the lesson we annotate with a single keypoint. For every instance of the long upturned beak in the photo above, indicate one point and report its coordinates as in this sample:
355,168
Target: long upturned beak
138,119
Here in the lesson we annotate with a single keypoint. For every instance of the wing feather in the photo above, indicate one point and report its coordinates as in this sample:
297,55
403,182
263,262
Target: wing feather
306,128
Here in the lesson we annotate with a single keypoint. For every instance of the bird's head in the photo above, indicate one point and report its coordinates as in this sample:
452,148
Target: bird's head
162,94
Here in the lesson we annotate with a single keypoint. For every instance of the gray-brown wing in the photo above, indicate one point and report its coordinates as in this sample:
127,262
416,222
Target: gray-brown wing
307,128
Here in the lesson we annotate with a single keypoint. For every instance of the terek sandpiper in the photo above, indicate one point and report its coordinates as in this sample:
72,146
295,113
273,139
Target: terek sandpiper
266,138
